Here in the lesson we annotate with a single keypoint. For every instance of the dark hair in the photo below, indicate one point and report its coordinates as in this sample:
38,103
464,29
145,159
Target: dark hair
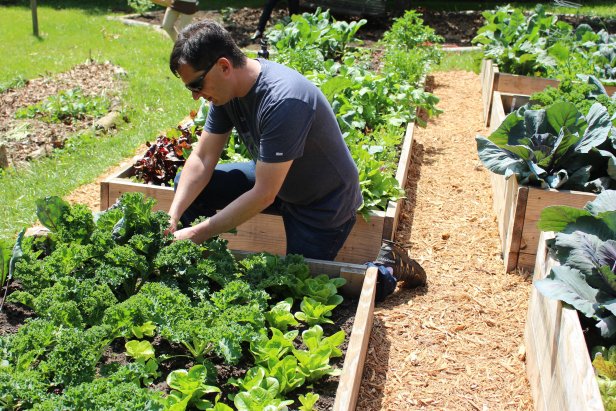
202,42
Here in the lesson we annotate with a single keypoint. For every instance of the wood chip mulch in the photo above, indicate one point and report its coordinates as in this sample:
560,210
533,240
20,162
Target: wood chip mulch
456,344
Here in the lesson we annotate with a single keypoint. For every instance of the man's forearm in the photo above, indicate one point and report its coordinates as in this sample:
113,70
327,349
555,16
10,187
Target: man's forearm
192,181
237,212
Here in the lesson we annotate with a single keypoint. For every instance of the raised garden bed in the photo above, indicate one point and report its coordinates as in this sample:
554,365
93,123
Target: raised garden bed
492,81
558,365
360,289
265,232
518,207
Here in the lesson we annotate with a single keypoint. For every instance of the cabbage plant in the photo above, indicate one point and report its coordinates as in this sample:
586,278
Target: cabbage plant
585,246
554,147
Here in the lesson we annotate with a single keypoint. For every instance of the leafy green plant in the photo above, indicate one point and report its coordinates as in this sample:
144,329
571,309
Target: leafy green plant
280,315
585,245
267,352
65,107
308,401
583,91
604,363
540,45
555,147
317,31
259,392
143,353
314,312
140,6
189,387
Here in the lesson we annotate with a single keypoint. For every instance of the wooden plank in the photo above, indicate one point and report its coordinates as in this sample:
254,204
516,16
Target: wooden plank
488,89
394,209
104,195
350,380
515,227
525,85
557,361
538,199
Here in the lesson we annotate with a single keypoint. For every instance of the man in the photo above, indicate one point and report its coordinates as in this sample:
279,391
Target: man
302,167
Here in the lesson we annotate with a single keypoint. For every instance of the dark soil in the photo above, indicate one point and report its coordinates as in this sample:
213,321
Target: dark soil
22,140
456,27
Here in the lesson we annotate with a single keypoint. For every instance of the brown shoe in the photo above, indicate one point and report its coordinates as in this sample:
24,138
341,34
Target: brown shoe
405,269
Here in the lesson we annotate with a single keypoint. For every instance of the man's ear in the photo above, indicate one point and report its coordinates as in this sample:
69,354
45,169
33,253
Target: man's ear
225,64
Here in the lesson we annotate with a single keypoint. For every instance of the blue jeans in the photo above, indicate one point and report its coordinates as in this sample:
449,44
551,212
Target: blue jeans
231,180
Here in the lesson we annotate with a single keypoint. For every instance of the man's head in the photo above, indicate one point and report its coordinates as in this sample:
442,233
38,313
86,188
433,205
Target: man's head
204,57
202,43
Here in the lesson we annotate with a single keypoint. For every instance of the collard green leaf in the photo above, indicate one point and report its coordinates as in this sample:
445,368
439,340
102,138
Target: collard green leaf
556,218
498,160
599,126
606,254
569,285
605,201
562,114
510,130
49,211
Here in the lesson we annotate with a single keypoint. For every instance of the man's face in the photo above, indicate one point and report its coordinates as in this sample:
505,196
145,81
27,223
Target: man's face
203,83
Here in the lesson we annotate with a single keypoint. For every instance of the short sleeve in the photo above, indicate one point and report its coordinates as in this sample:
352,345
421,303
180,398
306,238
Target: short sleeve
218,121
284,129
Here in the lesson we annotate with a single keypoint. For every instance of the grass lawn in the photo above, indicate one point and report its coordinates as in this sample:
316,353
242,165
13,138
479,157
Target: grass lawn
155,99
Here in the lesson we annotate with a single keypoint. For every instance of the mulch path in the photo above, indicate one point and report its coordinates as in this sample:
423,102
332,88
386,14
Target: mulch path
458,343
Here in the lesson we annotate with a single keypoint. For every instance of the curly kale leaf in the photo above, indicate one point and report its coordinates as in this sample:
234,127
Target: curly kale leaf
21,389
106,394
70,302
74,355
238,293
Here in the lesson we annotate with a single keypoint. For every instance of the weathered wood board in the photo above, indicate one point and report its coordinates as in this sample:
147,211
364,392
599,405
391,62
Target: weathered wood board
558,364
265,232
492,80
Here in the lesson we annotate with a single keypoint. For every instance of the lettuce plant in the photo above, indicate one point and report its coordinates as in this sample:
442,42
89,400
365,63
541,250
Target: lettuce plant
585,245
189,387
604,363
556,147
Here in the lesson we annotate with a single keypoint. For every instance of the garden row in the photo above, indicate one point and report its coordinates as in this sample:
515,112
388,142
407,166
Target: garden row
549,98
120,316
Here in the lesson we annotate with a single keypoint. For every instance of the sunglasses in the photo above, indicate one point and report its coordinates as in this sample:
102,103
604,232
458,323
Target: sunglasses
197,84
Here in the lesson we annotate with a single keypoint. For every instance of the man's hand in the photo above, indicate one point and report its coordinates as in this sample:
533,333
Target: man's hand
173,226
197,234
188,233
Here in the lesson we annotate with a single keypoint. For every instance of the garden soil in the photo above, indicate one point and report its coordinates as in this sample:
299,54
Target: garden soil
456,344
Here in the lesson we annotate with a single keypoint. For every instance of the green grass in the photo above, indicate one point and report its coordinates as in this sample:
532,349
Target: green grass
467,60
155,99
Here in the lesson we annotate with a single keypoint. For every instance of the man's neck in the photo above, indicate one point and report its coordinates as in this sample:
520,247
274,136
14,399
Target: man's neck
247,76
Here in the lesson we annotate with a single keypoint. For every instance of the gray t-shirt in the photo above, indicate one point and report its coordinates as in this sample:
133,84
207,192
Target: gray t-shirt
286,117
